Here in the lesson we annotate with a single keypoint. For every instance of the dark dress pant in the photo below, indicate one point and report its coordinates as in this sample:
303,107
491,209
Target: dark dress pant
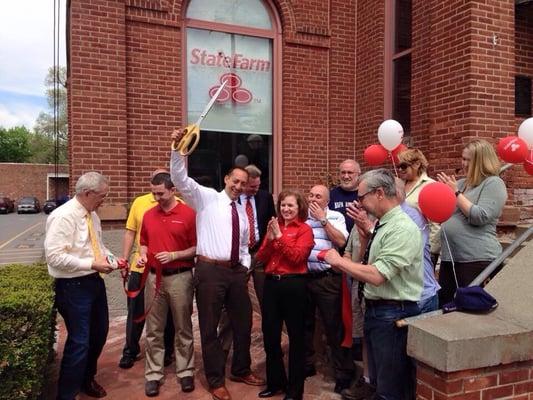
324,293
216,287
284,301
82,302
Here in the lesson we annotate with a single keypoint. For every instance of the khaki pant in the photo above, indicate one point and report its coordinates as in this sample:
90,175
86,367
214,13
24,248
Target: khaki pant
176,292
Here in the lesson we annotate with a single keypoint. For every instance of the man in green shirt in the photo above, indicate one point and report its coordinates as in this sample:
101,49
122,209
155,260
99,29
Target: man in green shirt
392,269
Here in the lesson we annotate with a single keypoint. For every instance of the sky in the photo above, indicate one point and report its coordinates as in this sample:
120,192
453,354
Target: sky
26,53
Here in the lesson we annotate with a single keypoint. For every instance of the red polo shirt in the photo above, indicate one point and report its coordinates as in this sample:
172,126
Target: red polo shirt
289,253
168,231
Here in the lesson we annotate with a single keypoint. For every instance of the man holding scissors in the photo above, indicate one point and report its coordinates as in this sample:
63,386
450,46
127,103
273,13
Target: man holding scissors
223,260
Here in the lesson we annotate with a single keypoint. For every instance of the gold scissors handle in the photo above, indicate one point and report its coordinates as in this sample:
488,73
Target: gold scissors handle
188,141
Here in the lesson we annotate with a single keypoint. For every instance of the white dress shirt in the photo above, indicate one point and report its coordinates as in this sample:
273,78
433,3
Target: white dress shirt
67,245
213,215
244,199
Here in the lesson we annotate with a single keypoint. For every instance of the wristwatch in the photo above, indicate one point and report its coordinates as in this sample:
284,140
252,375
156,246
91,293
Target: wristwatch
323,222
458,193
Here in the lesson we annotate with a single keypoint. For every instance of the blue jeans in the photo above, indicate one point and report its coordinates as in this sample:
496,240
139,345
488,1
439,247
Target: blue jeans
390,369
82,302
430,304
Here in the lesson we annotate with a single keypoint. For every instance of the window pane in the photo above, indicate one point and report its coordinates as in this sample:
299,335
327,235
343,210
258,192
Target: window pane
402,92
251,13
522,96
245,63
217,152
403,25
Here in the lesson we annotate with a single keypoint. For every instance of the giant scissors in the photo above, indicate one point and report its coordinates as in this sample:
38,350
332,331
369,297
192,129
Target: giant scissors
191,134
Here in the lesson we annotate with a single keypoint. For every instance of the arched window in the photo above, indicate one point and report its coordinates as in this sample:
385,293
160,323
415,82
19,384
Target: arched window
232,41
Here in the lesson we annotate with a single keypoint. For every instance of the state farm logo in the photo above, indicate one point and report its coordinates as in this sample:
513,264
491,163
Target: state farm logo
233,91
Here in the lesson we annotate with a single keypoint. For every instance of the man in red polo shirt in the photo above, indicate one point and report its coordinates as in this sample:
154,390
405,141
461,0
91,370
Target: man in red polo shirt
168,244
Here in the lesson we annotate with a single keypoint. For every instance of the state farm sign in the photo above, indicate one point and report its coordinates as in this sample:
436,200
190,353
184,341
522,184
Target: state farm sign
245,63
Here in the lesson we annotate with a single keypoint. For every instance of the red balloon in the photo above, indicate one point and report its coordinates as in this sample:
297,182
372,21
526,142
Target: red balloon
394,153
437,202
375,154
512,149
528,163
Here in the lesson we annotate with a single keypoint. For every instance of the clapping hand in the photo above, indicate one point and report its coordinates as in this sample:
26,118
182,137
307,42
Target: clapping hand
274,231
450,181
360,217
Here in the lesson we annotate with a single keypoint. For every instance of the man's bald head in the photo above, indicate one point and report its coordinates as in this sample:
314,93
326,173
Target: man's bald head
319,194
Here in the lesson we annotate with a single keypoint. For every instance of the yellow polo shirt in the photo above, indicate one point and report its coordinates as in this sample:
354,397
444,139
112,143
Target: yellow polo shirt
140,205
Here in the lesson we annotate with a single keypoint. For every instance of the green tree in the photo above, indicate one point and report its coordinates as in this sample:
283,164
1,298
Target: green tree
43,141
14,144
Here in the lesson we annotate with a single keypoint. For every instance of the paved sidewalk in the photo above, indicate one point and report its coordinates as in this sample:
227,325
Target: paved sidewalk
129,384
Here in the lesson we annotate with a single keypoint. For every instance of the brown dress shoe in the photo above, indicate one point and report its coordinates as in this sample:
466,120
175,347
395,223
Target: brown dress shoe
249,379
220,393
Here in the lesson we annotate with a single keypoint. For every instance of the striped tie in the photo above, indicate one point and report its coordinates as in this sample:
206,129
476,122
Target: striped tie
251,221
92,235
235,234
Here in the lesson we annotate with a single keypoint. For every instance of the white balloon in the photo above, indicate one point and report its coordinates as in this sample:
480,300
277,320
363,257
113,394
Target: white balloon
390,134
525,131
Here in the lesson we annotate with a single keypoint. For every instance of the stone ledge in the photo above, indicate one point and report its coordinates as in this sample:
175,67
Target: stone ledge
460,341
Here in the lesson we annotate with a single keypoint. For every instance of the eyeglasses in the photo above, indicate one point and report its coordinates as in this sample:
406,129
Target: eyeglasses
403,166
361,197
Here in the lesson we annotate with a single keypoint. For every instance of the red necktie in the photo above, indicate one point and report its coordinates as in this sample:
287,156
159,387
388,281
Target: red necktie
235,234
251,221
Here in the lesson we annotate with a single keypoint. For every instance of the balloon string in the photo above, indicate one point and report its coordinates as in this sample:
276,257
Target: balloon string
393,164
451,257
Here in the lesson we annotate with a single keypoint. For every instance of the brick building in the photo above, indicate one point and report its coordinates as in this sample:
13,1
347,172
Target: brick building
312,80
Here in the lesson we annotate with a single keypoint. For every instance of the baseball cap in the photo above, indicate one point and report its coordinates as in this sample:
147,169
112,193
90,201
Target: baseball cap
472,299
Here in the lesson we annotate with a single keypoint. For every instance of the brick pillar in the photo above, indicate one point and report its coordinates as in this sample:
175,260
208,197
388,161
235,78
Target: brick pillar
510,381
97,92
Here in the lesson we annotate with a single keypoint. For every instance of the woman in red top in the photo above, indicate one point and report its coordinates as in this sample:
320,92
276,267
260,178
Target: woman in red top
284,251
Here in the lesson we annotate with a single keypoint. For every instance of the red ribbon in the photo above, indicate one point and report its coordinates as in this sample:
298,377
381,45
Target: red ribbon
123,266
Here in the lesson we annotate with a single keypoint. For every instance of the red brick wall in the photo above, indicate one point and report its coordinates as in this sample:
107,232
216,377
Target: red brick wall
511,381
125,84
369,72
20,180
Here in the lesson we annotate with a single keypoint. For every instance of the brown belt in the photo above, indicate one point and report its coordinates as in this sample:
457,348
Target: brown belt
223,263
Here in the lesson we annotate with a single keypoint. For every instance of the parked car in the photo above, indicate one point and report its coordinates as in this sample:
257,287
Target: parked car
6,205
49,206
28,204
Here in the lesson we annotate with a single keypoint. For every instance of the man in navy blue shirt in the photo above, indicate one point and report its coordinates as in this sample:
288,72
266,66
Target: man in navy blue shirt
344,194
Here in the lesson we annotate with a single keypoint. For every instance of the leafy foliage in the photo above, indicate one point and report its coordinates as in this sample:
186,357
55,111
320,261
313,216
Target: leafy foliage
27,324
14,144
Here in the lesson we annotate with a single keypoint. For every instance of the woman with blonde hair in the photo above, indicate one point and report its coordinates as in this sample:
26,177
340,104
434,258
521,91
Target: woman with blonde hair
412,169
471,230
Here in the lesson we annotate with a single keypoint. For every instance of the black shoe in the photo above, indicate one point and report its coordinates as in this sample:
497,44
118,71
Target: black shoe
151,388
126,362
342,384
169,359
187,384
93,389
269,392
310,371
359,390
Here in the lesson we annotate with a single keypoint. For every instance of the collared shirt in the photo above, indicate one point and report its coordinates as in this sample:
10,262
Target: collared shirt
67,245
174,230
431,286
213,216
412,199
322,241
244,199
396,252
288,254
140,205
